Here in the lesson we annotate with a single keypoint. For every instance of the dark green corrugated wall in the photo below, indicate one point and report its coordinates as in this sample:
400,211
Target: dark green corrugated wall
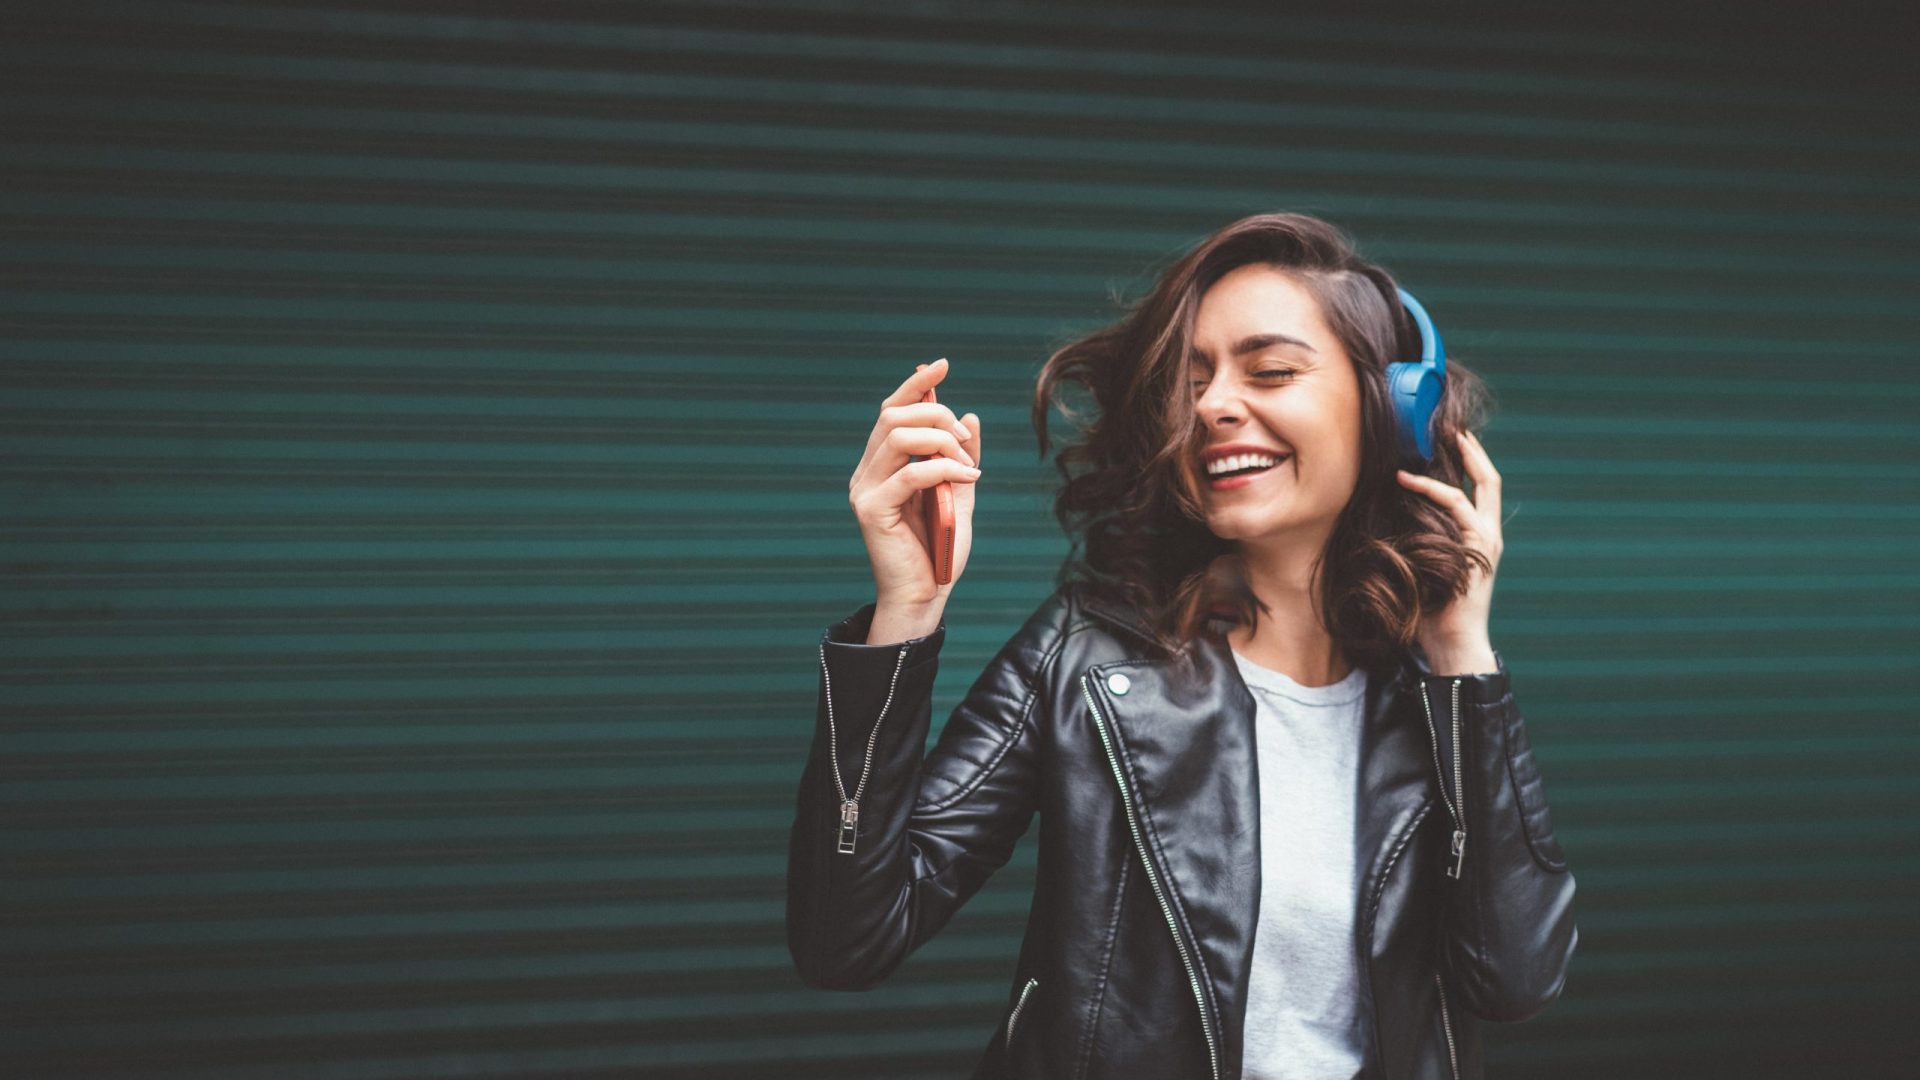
425,433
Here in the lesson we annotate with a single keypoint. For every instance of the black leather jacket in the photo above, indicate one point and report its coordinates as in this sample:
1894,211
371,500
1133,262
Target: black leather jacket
1136,957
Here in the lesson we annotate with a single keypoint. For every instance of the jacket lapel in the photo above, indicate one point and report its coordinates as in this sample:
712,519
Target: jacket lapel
1187,745
1185,742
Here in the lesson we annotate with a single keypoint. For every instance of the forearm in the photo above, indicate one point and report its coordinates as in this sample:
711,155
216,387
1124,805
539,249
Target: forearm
846,868
865,890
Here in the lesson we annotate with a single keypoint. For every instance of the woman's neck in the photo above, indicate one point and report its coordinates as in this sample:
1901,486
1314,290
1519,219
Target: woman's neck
1290,638
1308,659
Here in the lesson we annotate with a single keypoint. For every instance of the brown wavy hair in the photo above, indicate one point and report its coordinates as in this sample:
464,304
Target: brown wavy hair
1129,495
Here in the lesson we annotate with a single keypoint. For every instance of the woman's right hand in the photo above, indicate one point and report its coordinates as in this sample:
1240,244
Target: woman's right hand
886,486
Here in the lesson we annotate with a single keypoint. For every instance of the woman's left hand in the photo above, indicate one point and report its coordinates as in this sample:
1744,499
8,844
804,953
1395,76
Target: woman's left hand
1456,639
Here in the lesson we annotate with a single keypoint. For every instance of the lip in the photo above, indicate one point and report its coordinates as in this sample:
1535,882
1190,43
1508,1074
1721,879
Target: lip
1225,449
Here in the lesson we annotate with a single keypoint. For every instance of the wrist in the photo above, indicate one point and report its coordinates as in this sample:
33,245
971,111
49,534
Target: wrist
1472,656
895,622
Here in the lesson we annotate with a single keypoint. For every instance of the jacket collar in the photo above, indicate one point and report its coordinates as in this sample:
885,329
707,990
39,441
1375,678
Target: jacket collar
1187,744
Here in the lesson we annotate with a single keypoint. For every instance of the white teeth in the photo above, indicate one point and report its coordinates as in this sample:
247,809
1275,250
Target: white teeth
1239,461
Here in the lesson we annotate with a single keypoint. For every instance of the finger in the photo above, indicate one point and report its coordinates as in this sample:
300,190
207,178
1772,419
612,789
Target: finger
925,377
1486,479
915,388
905,442
901,445
928,376
921,475
1448,496
963,502
929,414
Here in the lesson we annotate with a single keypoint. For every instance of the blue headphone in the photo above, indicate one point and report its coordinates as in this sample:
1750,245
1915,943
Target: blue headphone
1415,387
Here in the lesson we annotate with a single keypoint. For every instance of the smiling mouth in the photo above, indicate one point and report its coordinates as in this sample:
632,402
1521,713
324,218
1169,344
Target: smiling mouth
1214,479
1249,471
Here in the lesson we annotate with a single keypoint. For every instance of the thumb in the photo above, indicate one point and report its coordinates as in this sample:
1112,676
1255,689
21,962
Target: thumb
972,421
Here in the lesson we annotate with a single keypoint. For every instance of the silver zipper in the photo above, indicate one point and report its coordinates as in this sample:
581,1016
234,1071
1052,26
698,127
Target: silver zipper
1153,878
1456,805
850,805
1018,1005
1459,789
1446,1021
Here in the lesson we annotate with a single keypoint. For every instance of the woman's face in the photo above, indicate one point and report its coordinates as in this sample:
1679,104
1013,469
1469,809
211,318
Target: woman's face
1268,373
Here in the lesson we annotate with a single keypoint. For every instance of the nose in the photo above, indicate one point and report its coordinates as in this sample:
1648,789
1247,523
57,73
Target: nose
1218,403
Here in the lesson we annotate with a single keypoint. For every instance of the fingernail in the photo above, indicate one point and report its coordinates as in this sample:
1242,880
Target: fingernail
960,430
972,471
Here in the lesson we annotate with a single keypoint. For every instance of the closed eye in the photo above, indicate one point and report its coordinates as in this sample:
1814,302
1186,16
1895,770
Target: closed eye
1258,374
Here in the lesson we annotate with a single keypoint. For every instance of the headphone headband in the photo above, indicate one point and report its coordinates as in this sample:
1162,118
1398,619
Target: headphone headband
1431,351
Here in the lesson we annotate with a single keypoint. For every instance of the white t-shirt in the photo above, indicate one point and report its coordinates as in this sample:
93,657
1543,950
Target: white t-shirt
1303,1007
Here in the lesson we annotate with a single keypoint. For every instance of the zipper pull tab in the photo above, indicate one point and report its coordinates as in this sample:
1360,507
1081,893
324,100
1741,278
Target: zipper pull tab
849,825
1459,853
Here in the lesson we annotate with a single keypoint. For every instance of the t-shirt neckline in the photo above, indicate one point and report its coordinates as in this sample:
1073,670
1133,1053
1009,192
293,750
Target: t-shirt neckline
1338,693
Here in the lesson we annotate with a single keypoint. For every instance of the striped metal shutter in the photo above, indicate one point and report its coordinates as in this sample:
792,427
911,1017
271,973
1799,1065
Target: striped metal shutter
425,429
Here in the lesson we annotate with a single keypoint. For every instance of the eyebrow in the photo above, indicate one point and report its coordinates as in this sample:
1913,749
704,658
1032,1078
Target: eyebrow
1256,342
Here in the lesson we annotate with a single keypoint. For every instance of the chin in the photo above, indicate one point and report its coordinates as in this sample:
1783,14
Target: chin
1246,526
1253,523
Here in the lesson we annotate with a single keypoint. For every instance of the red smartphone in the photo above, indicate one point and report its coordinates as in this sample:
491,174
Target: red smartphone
936,506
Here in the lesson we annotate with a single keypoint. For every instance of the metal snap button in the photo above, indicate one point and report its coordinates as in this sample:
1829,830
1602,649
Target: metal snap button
1119,683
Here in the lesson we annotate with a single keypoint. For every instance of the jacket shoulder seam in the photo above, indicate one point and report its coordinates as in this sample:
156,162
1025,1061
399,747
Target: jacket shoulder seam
1534,844
1019,729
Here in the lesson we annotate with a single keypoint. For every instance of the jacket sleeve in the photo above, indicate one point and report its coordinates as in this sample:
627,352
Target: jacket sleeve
929,832
1509,931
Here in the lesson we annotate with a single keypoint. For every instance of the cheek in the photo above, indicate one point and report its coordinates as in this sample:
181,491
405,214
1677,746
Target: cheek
1327,450
1314,429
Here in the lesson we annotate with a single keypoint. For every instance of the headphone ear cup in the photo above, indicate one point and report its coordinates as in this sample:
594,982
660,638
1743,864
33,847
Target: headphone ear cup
1415,390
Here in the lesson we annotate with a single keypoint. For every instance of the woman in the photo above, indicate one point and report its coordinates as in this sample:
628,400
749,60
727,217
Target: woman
1290,819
